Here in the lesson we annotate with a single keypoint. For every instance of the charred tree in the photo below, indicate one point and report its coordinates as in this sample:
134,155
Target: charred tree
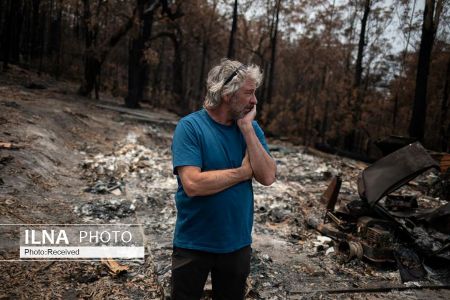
270,65
403,63
56,38
91,65
138,69
429,26
42,35
445,130
357,84
356,96
160,72
178,87
95,56
17,31
324,122
137,65
231,50
11,32
3,5
350,35
177,70
273,51
204,57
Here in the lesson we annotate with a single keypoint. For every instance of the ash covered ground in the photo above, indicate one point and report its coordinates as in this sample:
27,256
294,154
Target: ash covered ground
71,161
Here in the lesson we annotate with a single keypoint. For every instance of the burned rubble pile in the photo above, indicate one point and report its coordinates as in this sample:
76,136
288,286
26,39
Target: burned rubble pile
388,225
133,173
137,181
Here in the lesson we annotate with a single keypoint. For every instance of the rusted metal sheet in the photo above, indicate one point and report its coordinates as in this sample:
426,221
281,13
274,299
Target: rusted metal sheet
331,194
393,171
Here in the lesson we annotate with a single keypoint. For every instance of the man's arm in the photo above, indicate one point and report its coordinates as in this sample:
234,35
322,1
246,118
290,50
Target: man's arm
198,183
264,167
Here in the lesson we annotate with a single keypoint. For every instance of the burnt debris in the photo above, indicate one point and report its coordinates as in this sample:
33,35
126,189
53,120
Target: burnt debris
387,226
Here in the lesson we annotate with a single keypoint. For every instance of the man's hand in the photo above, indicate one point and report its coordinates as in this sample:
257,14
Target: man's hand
246,167
262,165
247,119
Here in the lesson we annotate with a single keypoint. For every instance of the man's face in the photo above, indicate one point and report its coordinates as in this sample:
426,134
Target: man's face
243,101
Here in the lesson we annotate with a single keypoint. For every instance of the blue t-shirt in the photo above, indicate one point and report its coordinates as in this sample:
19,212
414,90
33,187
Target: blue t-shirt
222,222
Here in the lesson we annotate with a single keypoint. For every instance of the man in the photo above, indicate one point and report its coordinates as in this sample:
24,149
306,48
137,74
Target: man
216,153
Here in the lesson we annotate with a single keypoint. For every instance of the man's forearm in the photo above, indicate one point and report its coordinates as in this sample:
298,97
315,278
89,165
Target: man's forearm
212,182
264,167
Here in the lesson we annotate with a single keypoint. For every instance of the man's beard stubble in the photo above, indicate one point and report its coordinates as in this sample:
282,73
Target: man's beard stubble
236,114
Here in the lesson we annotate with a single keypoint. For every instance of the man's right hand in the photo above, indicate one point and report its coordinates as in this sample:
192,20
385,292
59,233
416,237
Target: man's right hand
246,167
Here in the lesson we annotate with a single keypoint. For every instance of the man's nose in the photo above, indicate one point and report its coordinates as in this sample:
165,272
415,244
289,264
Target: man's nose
253,100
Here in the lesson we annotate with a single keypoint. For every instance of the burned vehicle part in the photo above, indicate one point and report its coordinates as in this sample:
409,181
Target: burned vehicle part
387,227
393,171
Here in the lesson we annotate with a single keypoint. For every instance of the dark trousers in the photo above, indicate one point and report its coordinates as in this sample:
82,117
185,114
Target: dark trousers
190,269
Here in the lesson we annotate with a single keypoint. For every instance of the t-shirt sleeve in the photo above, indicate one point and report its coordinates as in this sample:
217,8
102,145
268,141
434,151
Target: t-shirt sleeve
185,147
260,134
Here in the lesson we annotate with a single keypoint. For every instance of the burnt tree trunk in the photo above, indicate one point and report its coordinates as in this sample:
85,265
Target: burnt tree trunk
403,63
231,50
395,112
182,103
91,64
95,56
201,81
56,39
273,42
16,35
76,21
137,65
356,96
10,38
267,88
445,130
324,123
357,84
351,32
3,5
178,79
417,123
159,78
42,35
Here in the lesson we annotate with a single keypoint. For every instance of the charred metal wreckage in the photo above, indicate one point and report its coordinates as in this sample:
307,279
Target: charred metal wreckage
391,228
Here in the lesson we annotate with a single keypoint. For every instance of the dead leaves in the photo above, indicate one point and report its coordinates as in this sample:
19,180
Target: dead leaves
114,268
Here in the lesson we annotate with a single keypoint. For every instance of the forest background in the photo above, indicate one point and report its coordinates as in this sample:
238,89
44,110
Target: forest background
339,74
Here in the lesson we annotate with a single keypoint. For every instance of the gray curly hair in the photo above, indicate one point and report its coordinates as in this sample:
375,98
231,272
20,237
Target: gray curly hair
226,78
